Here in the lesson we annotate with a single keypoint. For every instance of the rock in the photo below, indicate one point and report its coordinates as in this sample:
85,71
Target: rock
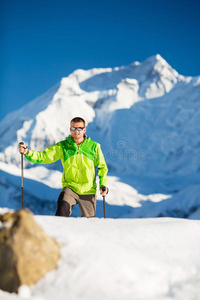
27,253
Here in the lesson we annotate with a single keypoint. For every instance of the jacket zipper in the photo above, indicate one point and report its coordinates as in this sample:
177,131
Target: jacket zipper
80,165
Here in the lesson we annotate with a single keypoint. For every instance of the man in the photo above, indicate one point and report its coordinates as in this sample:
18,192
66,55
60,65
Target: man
79,156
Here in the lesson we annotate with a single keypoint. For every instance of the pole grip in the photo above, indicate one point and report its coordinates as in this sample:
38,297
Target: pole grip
21,143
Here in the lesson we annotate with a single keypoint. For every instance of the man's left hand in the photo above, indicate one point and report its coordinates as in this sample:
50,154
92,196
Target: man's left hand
103,193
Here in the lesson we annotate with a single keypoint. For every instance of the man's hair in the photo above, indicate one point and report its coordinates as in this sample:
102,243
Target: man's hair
78,119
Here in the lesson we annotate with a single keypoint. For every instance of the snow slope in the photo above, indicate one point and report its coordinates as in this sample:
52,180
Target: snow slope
42,188
146,117
154,259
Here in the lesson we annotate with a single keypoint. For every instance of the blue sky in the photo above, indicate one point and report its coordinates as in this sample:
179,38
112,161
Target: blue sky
45,40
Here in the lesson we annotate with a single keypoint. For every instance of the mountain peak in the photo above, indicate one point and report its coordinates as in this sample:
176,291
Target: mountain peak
157,58
160,58
93,94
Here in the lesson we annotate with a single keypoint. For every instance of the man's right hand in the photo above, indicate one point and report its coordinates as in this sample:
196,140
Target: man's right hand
23,149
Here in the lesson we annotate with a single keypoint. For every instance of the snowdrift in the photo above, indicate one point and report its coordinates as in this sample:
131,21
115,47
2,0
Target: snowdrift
155,259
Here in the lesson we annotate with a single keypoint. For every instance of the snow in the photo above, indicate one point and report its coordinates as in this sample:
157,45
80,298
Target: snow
24,292
146,118
156,259
129,196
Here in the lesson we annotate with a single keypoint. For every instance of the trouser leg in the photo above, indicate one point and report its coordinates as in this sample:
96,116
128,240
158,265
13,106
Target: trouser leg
65,203
87,205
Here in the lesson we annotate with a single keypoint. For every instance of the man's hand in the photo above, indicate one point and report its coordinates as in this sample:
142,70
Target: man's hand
103,190
23,149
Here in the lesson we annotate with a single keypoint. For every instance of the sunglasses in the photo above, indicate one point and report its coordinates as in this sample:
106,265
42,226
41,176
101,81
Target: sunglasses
78,128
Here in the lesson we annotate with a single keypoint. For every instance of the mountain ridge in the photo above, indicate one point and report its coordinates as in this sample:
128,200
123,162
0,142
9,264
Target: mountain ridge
76,95
144,115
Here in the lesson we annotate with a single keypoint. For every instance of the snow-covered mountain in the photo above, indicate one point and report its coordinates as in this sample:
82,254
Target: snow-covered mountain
145,115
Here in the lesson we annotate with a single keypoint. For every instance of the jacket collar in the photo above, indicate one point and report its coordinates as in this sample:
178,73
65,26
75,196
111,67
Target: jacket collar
71,141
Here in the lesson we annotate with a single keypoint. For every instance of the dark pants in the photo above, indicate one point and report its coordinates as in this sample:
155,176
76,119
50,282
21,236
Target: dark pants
67,200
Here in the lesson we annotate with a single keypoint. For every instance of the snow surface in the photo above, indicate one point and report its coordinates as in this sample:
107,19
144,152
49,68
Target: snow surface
42,188
140,259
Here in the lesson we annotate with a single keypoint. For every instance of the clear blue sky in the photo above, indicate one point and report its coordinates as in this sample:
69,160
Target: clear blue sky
45,40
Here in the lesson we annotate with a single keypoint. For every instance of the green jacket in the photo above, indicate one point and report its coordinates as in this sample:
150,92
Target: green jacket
78,162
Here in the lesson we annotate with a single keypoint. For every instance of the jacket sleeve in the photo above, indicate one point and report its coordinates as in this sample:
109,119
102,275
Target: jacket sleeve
102,167
48,156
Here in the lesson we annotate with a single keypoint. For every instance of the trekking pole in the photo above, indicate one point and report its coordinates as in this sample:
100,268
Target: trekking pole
104,202
22,175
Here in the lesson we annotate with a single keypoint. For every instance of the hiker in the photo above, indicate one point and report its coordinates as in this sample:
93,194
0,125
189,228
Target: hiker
79,156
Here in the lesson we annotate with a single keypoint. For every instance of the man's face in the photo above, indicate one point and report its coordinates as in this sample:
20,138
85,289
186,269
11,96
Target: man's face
77,134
